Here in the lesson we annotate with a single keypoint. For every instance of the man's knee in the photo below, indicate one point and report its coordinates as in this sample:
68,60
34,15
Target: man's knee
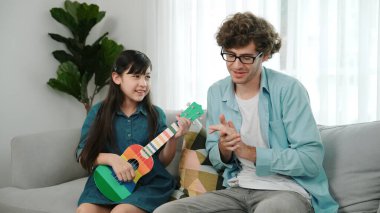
170,207
284,202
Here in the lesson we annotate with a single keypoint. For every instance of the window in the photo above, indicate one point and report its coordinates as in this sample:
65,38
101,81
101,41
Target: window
331,46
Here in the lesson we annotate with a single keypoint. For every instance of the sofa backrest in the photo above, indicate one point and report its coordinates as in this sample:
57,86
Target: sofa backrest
48,158
45,159
352,164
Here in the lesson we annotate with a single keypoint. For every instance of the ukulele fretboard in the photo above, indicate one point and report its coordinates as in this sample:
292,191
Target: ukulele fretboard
159,141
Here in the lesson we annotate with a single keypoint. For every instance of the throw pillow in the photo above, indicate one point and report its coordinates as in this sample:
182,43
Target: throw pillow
196,173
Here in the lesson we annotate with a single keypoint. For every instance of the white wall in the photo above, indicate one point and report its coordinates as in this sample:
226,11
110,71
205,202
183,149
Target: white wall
27,104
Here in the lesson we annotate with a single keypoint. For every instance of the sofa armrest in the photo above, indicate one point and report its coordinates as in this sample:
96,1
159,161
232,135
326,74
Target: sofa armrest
45,159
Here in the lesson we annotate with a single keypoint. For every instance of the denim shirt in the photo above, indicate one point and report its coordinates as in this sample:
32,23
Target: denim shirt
128,130
287,126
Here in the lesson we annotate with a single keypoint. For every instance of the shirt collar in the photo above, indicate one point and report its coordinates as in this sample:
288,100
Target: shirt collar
264,80
229,93
140,109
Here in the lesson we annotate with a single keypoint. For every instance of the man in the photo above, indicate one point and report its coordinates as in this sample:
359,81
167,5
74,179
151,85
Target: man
262,132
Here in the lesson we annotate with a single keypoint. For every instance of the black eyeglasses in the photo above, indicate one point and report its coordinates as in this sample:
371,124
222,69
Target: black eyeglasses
245,59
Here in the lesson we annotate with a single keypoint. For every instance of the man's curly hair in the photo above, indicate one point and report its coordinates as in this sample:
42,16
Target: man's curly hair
240,29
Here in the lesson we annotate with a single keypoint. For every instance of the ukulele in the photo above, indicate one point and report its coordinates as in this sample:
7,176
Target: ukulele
140,158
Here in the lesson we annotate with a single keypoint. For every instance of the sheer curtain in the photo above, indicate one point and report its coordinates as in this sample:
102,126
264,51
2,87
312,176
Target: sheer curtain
331,46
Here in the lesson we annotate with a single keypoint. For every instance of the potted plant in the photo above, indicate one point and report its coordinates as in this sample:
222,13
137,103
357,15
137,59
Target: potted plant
82,62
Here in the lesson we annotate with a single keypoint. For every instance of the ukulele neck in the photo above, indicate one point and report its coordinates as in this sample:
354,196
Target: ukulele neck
159,141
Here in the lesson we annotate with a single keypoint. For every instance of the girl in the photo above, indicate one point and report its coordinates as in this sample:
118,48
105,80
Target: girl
127,117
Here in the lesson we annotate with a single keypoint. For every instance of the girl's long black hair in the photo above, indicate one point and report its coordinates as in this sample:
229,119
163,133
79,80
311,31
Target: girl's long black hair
101,132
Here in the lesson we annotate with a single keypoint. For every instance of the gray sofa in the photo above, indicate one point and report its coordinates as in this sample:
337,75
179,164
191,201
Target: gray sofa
46,178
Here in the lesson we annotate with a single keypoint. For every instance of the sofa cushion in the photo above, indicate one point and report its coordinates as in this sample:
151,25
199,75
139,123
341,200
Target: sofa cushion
196,173
352,163
60,198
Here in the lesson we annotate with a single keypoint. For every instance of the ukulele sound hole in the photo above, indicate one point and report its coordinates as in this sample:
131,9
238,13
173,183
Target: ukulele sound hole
134,163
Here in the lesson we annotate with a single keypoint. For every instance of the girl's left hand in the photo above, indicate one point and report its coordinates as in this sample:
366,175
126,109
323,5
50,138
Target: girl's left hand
184,125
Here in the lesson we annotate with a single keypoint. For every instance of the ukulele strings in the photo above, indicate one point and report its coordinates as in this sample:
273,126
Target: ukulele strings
135,163
135,166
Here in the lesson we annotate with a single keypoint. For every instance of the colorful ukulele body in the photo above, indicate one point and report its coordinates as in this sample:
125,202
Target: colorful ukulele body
140,158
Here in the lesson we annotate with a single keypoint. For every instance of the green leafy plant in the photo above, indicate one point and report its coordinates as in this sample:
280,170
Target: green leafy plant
82,61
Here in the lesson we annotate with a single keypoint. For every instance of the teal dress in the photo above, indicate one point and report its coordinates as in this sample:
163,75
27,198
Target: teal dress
154,188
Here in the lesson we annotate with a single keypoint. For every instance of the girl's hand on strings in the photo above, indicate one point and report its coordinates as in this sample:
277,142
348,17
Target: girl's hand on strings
122,168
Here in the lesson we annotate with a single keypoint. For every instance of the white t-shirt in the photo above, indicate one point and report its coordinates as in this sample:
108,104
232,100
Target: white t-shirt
251,135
